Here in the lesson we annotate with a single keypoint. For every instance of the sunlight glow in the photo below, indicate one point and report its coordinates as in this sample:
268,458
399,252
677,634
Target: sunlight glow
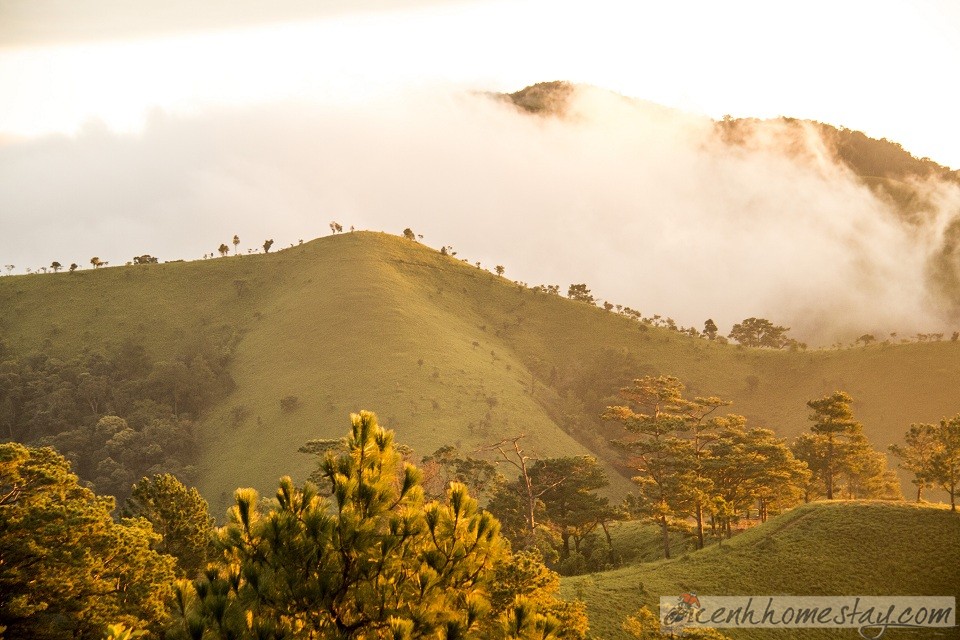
878,67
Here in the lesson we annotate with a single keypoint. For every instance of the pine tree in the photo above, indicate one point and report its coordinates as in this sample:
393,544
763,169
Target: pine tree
703,428
835,429
945,467
362,556
67,569
524,580
570,505
751,467
917,454
662,460
837,449
759,333
710,329
179,514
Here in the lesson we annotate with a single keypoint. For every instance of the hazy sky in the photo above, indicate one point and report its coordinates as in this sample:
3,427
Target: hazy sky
131,127
880,66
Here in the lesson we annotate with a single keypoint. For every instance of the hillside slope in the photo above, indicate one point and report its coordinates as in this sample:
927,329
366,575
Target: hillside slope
444,352
842,548
377,322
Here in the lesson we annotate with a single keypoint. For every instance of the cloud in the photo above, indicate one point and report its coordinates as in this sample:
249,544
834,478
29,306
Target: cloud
650,207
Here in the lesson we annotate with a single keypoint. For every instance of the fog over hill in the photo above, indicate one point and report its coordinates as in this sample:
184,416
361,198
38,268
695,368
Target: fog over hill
652,208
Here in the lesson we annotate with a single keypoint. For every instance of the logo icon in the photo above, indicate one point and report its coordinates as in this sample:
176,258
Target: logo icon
683,612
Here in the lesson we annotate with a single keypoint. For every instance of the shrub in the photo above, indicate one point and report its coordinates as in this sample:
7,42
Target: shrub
289,403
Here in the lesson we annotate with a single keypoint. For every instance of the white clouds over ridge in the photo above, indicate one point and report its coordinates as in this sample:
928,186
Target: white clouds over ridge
645,205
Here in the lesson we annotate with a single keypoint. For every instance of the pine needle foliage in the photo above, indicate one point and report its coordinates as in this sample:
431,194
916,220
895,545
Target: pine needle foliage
361,556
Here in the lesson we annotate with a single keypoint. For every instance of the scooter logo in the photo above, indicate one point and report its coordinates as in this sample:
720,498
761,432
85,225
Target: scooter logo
682,613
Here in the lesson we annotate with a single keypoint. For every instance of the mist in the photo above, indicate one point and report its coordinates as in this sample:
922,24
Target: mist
647,206
46,22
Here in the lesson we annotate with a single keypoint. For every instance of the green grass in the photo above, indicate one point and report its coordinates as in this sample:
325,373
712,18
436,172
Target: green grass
841,548
342,323
636,541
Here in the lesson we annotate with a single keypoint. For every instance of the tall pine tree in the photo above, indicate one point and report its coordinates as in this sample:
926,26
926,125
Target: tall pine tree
362,556
836,449
662,459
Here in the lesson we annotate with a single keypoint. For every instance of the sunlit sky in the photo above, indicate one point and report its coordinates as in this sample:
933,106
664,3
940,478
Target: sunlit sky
887,68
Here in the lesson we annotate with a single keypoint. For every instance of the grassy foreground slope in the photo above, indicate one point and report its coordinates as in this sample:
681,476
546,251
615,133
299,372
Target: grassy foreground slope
840,548
444,352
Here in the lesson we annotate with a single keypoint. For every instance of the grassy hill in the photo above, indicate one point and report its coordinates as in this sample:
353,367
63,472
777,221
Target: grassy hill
841,548
444,352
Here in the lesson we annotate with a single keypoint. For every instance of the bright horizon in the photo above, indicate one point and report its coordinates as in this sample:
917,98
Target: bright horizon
882,68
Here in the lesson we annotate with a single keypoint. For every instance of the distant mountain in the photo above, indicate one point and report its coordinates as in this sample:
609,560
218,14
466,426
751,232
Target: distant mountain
867,157
443,351
891,172
546,98
885,166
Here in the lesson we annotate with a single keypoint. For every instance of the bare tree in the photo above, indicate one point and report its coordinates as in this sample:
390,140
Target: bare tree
519,460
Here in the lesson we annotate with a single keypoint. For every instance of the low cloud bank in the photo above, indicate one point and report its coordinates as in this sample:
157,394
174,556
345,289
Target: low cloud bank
650,207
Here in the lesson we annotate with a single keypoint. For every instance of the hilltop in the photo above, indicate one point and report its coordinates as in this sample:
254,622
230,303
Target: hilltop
445,352
867,157
836,548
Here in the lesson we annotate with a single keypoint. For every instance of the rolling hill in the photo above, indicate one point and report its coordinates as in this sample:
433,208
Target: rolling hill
445,353
837,548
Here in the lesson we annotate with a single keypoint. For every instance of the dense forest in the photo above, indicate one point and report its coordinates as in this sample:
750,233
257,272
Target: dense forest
115,413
